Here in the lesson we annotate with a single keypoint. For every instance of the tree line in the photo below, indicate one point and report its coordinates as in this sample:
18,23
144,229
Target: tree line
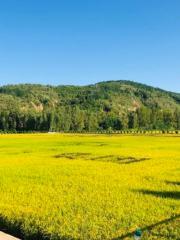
74,119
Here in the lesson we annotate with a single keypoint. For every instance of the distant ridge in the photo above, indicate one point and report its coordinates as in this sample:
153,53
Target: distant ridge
125,92
105,100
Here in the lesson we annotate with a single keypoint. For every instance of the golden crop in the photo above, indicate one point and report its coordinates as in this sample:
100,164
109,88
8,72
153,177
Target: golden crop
75,186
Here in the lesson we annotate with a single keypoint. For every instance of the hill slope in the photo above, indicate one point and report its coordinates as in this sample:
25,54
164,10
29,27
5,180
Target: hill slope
112,104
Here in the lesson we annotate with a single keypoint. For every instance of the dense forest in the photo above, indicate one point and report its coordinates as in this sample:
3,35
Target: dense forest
105,106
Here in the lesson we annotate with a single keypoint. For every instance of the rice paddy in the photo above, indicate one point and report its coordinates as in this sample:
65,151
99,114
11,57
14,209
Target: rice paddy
82,187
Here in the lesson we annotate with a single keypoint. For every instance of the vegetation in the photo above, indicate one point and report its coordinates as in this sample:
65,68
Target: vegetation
67,186
106,106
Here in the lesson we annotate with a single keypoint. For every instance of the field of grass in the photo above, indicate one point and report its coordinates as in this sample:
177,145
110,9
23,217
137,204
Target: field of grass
82,187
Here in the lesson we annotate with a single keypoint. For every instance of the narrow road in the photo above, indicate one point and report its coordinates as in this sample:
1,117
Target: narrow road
4,236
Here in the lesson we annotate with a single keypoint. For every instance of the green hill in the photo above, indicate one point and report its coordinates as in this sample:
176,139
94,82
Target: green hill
106,105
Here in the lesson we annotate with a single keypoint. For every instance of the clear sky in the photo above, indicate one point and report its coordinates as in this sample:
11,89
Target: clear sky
82,42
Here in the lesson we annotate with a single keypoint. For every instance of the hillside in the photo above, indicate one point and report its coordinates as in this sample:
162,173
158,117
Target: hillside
105,105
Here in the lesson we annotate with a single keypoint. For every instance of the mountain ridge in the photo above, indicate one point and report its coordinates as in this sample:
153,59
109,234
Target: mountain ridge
112,104
87,85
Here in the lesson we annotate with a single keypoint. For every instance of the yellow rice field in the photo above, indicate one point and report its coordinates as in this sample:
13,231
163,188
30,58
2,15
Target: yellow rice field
82,187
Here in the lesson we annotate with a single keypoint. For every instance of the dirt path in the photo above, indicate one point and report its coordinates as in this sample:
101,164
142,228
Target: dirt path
4,236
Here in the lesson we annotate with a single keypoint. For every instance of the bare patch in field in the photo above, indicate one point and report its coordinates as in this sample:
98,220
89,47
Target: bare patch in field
103,144
72,155
107,158
120,160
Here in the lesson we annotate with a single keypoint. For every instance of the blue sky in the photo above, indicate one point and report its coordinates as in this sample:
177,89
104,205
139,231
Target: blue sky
82,42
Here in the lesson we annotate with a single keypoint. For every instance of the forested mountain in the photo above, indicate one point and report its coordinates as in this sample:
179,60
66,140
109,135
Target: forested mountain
111,105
